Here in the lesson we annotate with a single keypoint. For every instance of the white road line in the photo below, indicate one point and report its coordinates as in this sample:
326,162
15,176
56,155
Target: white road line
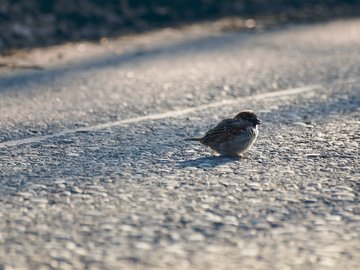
157,116
177,113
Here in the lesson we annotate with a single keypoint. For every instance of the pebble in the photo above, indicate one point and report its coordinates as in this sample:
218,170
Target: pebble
25,194
205,165
313,155
72,154
318,139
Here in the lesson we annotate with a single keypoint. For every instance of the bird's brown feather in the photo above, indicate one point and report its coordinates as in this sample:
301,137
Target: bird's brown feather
224,131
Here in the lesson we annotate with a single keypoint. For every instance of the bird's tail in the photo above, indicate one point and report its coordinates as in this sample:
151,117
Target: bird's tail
193,139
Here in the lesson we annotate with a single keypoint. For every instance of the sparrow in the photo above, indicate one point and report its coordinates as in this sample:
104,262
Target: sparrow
232,136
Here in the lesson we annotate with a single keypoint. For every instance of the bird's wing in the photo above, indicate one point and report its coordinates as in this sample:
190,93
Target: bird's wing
225,130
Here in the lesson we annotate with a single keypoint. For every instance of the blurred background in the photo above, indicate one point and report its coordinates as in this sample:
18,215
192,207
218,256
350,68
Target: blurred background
36,23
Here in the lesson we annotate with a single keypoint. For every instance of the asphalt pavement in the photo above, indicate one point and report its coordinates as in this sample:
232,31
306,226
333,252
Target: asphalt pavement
95,173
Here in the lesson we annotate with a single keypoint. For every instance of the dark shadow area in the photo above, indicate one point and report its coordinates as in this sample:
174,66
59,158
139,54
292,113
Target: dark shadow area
208,162
39,23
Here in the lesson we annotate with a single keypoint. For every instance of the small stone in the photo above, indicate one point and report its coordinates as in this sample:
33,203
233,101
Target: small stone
25,194
318,139
333,218
254,185
39,200
301,124
312,155
72,154
230,220
205,165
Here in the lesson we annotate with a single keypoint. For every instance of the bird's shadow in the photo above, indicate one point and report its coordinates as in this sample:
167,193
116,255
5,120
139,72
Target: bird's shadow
208,162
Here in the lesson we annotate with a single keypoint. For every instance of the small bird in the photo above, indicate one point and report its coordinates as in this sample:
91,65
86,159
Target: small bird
232,136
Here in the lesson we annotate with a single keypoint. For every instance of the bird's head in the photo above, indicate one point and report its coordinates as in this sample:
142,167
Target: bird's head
249,117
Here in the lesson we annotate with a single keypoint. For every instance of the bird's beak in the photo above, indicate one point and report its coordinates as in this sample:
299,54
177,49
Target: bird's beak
258,121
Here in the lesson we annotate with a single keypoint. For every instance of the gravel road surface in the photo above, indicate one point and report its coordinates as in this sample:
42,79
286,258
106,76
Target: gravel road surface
94,172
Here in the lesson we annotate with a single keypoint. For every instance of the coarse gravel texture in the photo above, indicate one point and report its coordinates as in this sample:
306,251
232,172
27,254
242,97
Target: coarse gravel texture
137,196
